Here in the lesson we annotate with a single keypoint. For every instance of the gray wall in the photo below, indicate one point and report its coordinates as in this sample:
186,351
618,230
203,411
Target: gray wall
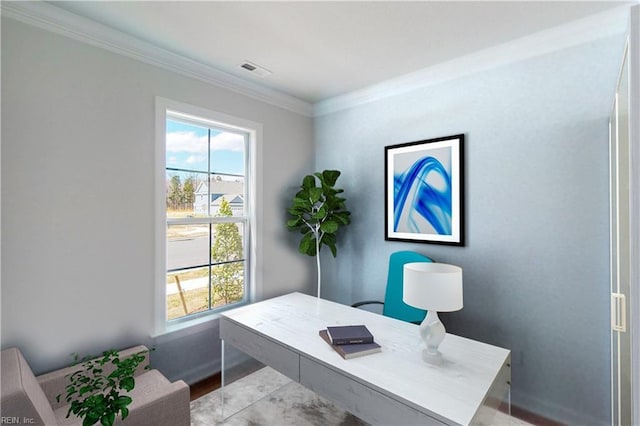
536,262
78,200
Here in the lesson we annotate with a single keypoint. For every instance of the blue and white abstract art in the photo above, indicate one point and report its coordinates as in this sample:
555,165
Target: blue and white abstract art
424,191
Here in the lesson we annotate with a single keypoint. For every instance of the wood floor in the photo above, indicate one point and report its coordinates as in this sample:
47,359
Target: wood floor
205,386
212,383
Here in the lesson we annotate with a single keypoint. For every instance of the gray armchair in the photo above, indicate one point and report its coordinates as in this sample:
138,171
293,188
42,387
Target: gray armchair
156,401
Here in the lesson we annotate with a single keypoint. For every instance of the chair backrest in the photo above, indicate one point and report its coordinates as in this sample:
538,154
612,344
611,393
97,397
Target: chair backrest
22,396
394,307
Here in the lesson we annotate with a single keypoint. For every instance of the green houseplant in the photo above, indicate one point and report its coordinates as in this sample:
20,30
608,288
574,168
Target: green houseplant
95,392
318,212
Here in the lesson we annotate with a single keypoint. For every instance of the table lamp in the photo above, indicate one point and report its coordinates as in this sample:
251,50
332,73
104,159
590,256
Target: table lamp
436,287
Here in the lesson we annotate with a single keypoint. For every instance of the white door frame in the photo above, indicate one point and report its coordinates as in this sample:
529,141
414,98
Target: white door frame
634,187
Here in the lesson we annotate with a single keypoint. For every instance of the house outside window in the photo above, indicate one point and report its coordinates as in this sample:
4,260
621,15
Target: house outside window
207,214
208,197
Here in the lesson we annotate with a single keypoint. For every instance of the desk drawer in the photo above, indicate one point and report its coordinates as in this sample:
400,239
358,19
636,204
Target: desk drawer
365,403
264,350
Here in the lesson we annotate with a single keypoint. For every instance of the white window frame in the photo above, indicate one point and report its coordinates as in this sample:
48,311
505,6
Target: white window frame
253,278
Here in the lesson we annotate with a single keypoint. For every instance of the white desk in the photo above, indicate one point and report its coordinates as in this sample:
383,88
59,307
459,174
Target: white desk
393,387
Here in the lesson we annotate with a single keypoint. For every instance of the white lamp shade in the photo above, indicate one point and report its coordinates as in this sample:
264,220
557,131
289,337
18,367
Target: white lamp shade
432,286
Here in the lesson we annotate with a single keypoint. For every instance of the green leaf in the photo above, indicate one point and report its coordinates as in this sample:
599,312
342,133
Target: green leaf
108,419
320,214
315,194
123,401
342,217
330,177
308,182
127,383
328,239
90,420
304,203
334,250
329,227
125,412
296,211
307,244
294,223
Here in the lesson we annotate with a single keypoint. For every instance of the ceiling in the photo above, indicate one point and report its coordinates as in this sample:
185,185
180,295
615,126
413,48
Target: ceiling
319,50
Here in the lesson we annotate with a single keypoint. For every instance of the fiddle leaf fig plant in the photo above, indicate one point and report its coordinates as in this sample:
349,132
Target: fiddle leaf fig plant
318,212
96,392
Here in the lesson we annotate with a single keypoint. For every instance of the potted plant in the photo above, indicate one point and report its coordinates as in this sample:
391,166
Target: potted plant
318,212
96,391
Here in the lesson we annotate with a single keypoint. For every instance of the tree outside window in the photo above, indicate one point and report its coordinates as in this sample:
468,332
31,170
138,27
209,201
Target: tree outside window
227,276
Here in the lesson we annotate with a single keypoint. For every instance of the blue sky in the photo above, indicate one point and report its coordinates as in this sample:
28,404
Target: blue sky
187,149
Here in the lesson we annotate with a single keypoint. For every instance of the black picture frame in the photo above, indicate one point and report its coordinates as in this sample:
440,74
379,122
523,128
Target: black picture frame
424,191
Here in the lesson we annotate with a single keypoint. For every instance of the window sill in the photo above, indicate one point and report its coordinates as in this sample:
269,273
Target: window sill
173,330
185,328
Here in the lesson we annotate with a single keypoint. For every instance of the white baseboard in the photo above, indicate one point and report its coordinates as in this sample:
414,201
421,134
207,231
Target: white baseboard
556,412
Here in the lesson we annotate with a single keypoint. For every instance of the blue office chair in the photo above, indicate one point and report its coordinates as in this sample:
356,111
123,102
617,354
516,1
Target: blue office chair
393,306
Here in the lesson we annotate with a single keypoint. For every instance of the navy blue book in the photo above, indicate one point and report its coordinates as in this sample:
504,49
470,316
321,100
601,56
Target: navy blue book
351,351
349,335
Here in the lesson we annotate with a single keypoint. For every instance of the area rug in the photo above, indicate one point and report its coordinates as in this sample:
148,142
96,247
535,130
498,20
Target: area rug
268,398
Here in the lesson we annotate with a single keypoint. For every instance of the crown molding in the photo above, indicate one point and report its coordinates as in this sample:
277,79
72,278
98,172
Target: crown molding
59,21
595,27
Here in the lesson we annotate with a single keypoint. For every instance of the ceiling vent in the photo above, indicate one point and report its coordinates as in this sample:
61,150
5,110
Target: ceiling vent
255,69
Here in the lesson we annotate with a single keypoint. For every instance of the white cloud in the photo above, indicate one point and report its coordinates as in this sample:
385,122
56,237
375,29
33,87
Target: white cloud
186,142
227,141
196,159
189,142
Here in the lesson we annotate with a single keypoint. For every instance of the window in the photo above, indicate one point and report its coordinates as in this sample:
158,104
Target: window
207,212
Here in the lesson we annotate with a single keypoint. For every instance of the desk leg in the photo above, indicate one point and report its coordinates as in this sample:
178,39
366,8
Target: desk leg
222,382
509,398
509,389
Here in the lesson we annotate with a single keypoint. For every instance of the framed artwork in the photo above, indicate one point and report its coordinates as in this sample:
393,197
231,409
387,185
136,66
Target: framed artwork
424,191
